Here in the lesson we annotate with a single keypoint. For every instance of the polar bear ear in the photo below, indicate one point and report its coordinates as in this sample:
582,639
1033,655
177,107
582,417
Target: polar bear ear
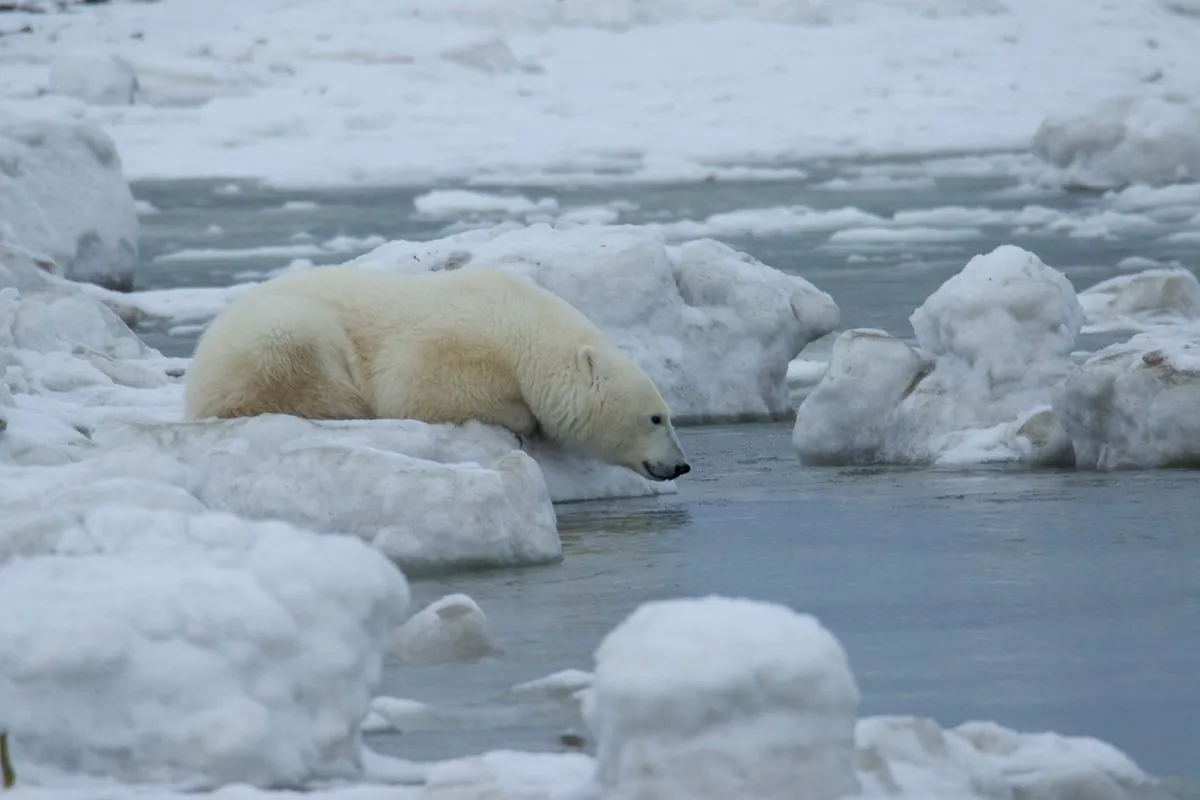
591,364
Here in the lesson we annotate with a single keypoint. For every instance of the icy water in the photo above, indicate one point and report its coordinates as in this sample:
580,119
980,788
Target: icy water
1052,601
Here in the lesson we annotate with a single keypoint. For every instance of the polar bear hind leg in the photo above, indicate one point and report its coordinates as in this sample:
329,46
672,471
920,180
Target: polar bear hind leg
290,358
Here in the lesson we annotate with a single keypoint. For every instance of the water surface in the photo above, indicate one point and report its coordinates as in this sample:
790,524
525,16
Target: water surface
1045,601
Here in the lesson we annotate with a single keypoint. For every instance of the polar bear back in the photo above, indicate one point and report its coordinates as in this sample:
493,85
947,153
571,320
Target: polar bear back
342,342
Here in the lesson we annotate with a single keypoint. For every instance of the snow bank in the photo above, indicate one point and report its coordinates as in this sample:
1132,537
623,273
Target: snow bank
63,196
1136,405
718,698
714,328
994,340
190,646
1153,139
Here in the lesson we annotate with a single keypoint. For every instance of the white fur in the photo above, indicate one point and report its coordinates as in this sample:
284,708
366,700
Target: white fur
348,343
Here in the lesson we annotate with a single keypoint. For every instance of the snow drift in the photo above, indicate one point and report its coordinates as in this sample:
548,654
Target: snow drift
63,196
191,647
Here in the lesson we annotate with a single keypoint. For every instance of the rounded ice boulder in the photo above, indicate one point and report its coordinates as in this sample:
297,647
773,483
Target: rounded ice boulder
718,698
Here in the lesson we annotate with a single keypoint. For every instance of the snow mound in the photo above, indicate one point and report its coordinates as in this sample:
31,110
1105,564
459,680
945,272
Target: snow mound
1136,405
1128,140
63,196
1150,297
451,629
718,698
192,647
714,328
994,341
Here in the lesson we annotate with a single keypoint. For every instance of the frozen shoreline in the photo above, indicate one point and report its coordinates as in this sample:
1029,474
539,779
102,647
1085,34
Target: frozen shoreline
341,93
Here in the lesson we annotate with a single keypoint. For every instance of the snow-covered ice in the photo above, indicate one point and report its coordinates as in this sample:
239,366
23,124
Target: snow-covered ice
191,647
63,196
453,628
725,697
994,341
349,91
1149,298
1136,405
777,716
1141,138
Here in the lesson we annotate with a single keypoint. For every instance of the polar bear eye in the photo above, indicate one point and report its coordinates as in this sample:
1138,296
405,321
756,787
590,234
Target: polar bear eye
656,420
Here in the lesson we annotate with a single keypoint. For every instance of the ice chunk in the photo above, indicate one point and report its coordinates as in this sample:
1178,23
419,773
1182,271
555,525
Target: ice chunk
453,628
994,343
720,698
1153,296
99,79
434,498
1153,139
1136,404
714,328
175,646
63,195
399,714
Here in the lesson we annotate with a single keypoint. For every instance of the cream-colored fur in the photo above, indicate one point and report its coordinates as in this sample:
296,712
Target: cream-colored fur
348,343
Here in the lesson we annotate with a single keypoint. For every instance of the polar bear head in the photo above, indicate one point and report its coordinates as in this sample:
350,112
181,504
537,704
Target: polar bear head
620,417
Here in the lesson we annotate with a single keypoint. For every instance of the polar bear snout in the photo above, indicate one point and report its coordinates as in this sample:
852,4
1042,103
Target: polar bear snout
665,472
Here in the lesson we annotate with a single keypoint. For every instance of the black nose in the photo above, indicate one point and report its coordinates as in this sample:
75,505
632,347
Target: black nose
682,469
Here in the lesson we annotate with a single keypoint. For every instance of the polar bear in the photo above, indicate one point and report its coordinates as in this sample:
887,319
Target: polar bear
349,343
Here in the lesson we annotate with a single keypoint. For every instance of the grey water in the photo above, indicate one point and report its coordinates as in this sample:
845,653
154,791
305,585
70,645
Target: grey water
1058,601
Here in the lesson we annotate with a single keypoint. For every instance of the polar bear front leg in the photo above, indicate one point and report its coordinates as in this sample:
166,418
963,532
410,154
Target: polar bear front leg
518,419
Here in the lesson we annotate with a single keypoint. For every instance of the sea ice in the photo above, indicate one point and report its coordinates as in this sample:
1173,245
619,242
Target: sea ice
191,647
319,92
993,343
453,628
64,197
1153,139
721,698
1152,297
1136,405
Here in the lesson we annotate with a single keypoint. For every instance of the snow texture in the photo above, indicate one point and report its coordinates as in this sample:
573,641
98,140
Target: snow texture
63,196
1151,139
994,341
193,647
1136,405
448,630
719,698
308,92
